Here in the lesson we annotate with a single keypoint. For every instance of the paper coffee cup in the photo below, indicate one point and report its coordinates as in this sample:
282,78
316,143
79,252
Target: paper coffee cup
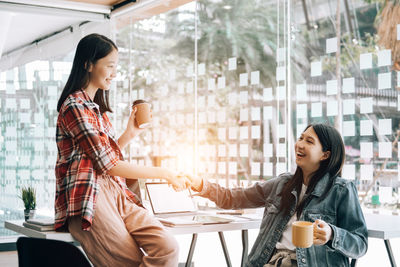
302,234
143,117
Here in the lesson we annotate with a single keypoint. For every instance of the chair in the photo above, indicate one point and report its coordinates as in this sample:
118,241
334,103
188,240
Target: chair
35,252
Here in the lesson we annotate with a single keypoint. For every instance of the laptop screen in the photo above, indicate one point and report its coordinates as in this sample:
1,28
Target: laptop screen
164,199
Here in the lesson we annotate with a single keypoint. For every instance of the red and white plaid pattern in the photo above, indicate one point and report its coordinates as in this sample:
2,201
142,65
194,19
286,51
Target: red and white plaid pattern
87,149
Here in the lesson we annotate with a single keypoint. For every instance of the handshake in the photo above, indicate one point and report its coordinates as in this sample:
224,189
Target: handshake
183,181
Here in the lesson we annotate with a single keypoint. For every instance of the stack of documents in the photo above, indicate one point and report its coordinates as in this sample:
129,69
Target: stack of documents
41,225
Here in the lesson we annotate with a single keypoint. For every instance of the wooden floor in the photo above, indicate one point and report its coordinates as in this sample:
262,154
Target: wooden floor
9,259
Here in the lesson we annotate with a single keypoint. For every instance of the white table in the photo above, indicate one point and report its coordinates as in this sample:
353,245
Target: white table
244,226
384,227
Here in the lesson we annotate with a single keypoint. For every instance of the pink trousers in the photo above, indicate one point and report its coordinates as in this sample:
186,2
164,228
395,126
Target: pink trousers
124,234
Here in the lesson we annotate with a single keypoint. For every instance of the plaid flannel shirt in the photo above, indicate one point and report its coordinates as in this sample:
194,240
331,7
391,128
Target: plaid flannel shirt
87,149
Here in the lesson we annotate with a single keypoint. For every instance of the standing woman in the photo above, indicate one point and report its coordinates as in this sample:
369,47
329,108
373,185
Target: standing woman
316,193
92,199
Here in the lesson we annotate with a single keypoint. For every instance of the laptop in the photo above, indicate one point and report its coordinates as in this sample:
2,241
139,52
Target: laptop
178,208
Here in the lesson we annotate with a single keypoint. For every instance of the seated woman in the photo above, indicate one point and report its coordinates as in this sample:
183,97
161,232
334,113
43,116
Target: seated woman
316,193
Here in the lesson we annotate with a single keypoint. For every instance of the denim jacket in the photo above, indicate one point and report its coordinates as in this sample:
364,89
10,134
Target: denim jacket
340,208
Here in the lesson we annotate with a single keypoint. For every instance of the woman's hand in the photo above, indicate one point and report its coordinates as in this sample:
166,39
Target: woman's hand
179,182
322,232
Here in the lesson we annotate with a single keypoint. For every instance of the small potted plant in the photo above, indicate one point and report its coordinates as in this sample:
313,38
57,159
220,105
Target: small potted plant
28,196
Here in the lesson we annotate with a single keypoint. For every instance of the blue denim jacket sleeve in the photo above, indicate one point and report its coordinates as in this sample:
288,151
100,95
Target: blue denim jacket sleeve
238,198
350,235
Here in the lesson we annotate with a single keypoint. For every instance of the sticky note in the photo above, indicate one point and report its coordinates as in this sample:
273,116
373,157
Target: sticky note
366,150
267,94
348,85
232,98
385,149
331,87
331,45
221,82
267,112
366,172
282,131
232,65
211,84
281,92
232,168
385,127
221,133
316,68
365,61
301,111
366,127
301,91
221,168
366,105
255,168
221,151
280,54
211,117
281,150
268,169
255,114
255,132
281,73
316,109
244,132
332,108
268,150
384,58
349,171
244,150
201,69
243,79
244,114
232,150
232,133
349,106
349,128
384,80
243,97
255,77
221,116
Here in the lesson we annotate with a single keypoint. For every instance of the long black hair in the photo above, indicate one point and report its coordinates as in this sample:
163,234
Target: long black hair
90,49
330,140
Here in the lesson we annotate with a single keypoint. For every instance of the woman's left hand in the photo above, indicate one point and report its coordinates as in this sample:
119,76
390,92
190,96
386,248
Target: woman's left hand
132,128
322,232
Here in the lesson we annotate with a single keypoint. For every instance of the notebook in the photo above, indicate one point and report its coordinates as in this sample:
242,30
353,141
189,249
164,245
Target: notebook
178,208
